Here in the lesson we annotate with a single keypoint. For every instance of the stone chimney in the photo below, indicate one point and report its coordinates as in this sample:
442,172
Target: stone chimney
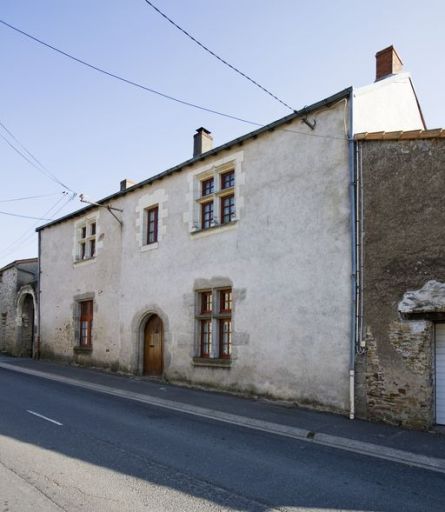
126,183
387,63
202,141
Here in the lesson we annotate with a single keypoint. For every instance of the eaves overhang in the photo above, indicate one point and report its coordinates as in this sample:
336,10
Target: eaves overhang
344,94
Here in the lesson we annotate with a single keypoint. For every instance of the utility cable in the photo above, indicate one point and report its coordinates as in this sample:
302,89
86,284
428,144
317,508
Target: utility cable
125,80
28,197
29,232
148,89
22,216
34,161
205,48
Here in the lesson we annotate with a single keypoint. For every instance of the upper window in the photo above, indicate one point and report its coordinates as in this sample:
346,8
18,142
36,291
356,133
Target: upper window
86,323
152,225
86,240
217,199
227,180
214,317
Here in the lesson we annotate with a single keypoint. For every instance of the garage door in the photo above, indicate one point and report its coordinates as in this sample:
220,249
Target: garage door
440,374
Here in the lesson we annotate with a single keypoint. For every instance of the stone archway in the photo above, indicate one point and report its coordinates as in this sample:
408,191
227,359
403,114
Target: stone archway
26,321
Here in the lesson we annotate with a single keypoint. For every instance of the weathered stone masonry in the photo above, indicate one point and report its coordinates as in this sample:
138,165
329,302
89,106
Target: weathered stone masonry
403,184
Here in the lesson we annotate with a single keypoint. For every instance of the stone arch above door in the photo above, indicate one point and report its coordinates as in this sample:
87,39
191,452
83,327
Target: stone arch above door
26,322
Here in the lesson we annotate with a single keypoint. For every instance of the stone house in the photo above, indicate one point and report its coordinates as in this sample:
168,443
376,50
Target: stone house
232,269
401,365
18,307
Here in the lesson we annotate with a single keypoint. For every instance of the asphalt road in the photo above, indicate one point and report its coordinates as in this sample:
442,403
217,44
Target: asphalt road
111,454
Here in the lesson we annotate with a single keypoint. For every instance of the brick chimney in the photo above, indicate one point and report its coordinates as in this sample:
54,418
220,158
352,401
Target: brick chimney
126,183
202,141
387,63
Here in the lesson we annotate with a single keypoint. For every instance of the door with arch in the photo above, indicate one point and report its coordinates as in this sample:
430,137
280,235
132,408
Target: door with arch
153,346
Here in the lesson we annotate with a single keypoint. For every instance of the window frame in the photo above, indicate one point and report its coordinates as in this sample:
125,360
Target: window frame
148,211
213,314
86,240
86,314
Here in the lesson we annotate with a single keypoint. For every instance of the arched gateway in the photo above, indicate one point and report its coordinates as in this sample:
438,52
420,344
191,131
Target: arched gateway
26,321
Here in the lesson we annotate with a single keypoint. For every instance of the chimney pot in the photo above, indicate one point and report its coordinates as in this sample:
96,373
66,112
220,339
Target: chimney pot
202,141
387,63
126,183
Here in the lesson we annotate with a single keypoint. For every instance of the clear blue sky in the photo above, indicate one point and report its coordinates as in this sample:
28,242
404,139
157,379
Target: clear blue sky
92,131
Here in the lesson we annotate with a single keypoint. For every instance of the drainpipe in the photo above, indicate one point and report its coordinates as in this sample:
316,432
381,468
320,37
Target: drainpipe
37,352
352,196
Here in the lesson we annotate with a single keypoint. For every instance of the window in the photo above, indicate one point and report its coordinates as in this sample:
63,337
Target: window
206,215
227,180
86,323
152,224
227,209
214,318
216,200
86,243
207,187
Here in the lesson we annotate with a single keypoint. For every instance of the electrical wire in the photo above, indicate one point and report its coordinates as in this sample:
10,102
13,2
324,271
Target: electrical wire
205,48
29,232
125,80
22,216
166,96
31,159
28,197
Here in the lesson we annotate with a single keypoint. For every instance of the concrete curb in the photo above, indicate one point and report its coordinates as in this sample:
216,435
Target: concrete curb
338,442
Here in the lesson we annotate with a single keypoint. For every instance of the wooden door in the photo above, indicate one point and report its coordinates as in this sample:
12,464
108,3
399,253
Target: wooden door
153,360
440,374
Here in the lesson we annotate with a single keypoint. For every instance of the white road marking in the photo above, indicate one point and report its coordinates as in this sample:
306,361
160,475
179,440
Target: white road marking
44,417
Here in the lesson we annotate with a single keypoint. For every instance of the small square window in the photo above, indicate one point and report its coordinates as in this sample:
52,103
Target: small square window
86,240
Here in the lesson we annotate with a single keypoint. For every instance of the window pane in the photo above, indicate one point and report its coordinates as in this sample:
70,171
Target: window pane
83,250
225,347
227,209
93,228
207,187
92,248
206,338
207,214
228,180
225,301
152,225
83,232
206,302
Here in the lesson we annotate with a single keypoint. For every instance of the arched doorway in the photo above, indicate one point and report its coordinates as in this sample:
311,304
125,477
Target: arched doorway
26,322
153,347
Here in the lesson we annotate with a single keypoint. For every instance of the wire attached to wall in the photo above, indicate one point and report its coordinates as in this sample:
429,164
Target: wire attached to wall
205,48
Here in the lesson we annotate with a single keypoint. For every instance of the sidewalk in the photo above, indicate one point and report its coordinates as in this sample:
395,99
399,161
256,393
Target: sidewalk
421,449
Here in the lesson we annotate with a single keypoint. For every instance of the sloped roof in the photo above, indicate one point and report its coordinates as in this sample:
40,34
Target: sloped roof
437,133
345,93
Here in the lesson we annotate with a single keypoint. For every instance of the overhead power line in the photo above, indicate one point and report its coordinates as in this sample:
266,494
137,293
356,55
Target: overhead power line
30,158
22,216
28,197
125,80
166,96
205,48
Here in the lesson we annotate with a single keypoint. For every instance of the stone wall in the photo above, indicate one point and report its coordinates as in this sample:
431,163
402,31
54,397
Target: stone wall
8,292
404,219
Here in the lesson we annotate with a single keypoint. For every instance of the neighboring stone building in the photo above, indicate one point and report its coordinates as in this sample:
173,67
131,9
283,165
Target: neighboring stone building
232,269
18,307
401,371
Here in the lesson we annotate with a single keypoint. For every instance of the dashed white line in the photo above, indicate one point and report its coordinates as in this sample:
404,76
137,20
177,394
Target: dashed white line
44,417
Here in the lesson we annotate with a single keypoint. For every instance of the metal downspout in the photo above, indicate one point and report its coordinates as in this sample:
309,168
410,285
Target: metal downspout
37,351
352,195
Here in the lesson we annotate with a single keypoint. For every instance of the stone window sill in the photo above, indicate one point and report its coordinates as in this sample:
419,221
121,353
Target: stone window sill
212,363
217,227
83,349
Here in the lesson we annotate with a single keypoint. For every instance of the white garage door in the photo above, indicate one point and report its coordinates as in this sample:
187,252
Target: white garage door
440,374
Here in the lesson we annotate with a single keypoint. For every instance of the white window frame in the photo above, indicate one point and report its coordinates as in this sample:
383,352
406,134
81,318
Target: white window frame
80,240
